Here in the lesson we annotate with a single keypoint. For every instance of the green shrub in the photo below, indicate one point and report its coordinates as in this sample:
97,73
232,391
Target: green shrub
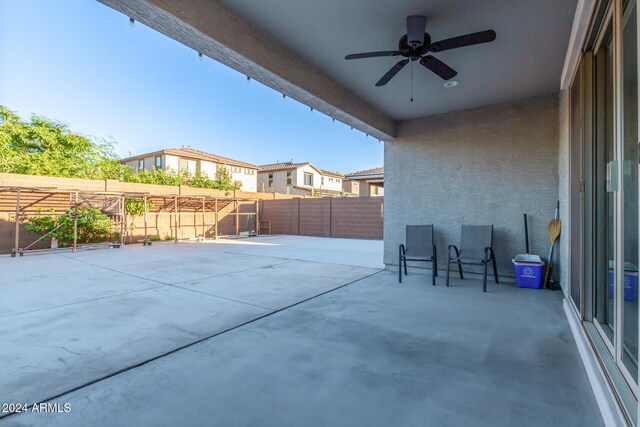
93,225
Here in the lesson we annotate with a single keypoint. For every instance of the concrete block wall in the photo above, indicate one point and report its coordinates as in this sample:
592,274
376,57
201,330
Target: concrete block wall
488,165
357,218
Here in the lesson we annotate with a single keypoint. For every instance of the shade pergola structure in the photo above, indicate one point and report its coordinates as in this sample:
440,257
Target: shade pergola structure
200,217
192,216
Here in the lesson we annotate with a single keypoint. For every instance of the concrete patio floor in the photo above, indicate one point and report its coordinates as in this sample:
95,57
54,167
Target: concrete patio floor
369,353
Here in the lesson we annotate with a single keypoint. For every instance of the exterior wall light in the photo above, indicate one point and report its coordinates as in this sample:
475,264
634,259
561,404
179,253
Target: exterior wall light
450,84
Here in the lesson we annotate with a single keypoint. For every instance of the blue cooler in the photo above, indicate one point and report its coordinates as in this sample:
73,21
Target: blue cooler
529,271
630,282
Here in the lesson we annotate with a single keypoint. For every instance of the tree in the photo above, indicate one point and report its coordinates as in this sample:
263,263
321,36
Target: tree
135,207
222,181
40,146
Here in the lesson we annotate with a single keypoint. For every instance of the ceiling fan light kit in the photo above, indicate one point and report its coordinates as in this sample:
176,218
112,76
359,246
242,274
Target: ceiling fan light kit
416,46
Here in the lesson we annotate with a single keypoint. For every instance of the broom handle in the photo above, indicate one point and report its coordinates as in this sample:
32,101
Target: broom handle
526,233
548,269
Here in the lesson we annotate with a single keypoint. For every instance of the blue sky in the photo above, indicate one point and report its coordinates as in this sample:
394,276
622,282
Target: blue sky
79,62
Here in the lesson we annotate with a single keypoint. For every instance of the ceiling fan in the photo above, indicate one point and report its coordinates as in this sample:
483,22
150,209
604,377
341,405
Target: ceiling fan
416,46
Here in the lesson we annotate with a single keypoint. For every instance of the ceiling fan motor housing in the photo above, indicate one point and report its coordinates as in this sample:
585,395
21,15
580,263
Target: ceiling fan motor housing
415,29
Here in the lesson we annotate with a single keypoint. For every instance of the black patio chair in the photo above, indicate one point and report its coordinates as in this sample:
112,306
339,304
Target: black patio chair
419,247
476,248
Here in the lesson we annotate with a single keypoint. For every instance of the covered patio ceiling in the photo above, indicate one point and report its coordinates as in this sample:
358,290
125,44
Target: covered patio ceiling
298,48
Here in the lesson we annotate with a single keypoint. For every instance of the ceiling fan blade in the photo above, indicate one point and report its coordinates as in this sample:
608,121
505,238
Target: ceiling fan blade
392,72
438,67
462,41
416,25
372,54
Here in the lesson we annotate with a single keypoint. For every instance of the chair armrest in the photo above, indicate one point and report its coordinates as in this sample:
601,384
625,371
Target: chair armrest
488,254
456,249
402,249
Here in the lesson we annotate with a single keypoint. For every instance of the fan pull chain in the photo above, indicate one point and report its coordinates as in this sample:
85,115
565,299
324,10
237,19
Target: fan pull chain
411,81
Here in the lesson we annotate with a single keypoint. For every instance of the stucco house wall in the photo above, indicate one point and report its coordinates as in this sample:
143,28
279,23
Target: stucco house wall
170,162
488,165
248,177
299,173
332,183
279,181
350,186
208,168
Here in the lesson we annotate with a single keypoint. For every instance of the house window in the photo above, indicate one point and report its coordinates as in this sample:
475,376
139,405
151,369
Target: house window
158,162
236,169
338,180
189,166
308,179
248,171
270,180
140,164
289,178
322,180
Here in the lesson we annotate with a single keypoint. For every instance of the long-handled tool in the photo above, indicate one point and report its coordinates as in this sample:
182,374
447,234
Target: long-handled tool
553,232
526,234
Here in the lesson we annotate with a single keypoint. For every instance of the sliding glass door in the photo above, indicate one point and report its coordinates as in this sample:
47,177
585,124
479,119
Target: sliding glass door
604,197
629,170
606,92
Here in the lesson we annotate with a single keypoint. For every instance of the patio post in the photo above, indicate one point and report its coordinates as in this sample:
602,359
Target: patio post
144,201
123,218
17,242
257,229
75,224
204,225
216,219
175,217
237,218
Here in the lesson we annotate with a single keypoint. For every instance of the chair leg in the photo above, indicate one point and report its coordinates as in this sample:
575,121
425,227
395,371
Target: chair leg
448,268
435,261
460,270
484,279
495,270
433,273
400,265
405,267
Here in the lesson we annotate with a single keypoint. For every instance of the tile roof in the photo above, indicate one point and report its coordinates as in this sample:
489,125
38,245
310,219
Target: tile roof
192,152
330,173
281,166
291,165
196,154
367,172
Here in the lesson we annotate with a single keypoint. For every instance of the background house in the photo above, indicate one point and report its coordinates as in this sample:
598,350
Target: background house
365,183
299,178
195,162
